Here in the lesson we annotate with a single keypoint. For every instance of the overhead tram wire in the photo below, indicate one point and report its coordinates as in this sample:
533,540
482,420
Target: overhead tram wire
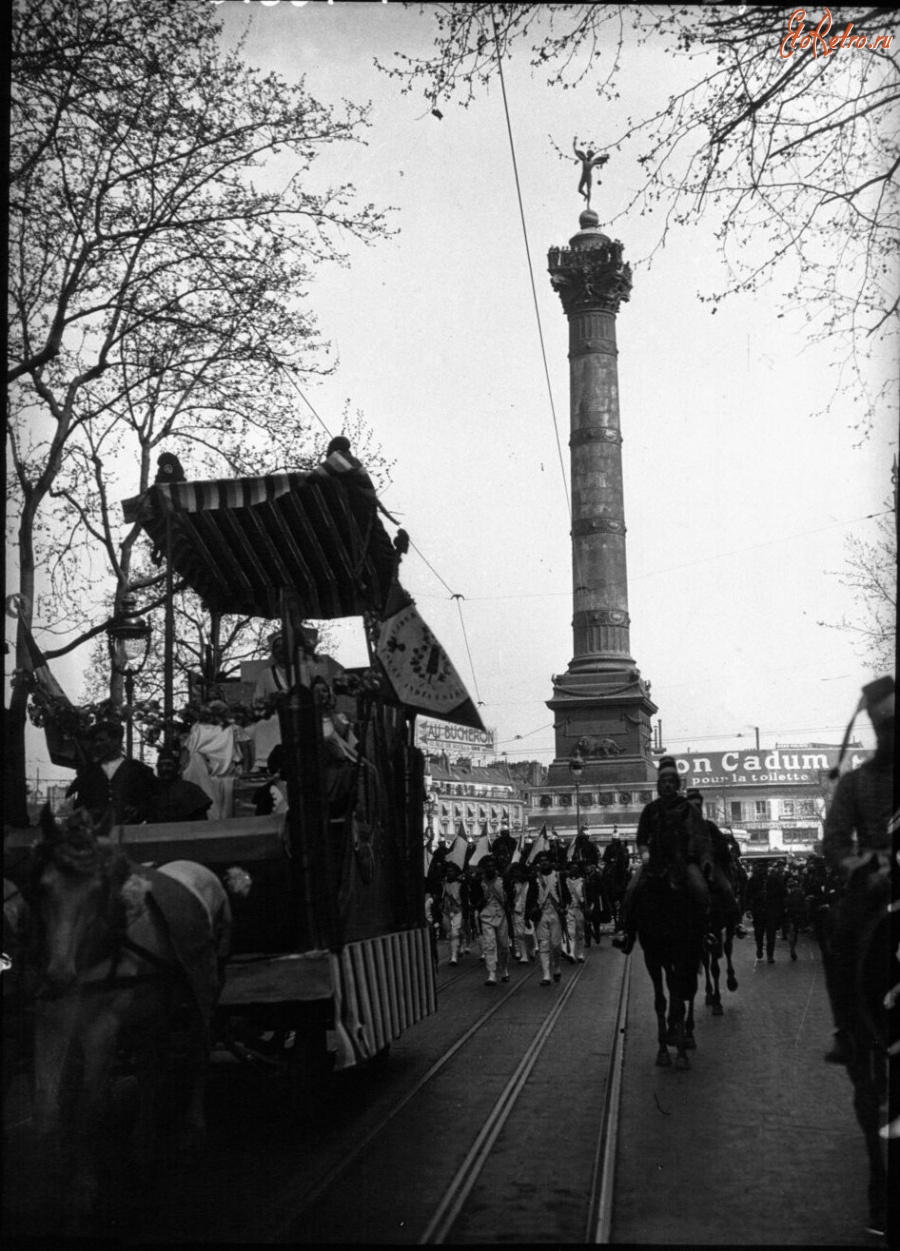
478,699
537,313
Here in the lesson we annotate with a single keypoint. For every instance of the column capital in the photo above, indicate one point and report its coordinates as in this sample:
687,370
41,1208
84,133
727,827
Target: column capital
591,276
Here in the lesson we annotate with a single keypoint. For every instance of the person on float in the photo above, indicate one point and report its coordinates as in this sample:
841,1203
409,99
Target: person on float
491,903
548,898
112,780
175,799
857,840
669,813
216,750
272,681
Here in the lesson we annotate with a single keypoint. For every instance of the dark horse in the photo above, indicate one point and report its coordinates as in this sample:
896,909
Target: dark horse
122,956
671,940
613,881
722,925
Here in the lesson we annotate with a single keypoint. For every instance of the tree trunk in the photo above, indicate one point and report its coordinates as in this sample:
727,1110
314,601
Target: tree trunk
15,807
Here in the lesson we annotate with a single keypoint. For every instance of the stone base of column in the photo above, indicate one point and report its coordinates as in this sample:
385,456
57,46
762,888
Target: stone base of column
603,717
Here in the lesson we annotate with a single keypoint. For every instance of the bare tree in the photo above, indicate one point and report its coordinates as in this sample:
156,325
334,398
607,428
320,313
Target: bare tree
157,293
788,130
870,573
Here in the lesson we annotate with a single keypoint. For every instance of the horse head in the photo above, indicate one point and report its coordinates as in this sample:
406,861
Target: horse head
77,891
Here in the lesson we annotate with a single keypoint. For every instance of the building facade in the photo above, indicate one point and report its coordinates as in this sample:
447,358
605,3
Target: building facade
771,798
469,796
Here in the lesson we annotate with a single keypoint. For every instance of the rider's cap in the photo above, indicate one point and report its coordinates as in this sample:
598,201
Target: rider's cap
694,794
878,700
668,765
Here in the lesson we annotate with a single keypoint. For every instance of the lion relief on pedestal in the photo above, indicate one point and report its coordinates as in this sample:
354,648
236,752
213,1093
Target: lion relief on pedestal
593,747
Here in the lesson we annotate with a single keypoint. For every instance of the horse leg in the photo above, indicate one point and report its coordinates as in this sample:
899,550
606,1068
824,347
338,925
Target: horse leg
717,1009
99,1045
689,1042
709,985
677,1025
193,1134
54,1027
663,1059
866,1104
728,947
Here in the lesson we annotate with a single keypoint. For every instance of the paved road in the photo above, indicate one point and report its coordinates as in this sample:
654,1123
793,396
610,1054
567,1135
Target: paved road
758,1142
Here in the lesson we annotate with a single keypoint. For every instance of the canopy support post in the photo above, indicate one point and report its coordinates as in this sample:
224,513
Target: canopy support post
169,646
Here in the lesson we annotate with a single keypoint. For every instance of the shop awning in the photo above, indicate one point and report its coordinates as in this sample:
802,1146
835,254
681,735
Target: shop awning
237,541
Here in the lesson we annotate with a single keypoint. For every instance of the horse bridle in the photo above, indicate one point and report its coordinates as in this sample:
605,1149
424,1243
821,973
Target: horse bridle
162,969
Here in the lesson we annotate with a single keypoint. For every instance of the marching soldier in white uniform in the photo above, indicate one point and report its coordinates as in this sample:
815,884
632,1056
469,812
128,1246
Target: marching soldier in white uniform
575,916
490,902
548,897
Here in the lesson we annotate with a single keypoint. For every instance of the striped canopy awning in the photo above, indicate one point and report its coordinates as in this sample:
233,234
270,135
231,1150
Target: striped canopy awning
237,542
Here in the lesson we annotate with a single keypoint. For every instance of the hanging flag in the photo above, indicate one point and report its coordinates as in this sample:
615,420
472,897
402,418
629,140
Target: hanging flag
541,844
458,850
520,850
420,671
482,846
57,711
428,859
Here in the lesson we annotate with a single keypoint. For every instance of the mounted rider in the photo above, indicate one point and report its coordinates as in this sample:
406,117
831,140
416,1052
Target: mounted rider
584,851
723,879
670,832
862,804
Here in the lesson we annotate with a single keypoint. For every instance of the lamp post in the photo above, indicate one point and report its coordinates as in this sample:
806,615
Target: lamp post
576,768
430,806
128,637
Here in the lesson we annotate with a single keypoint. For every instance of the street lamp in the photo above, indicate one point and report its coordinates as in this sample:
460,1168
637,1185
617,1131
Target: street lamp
576,768
128,637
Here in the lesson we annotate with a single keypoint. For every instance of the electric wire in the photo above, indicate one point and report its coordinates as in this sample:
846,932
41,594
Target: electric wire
300,392
537,312
478,698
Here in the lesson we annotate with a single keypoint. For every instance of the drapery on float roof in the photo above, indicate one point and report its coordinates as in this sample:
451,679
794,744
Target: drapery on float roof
237,541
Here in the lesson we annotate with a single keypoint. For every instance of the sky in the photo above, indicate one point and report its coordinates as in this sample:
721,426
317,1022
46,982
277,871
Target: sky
740,493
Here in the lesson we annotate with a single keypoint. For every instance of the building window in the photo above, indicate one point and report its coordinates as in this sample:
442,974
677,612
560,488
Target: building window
787,807
807,808
735,810
762,809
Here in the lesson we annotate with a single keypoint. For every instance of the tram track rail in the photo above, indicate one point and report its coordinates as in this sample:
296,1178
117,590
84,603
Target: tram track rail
437,1226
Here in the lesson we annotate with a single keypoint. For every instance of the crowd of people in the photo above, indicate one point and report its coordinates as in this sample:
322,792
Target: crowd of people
543,903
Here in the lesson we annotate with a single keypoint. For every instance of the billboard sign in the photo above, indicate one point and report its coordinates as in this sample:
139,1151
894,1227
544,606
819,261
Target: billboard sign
454,740
802,765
